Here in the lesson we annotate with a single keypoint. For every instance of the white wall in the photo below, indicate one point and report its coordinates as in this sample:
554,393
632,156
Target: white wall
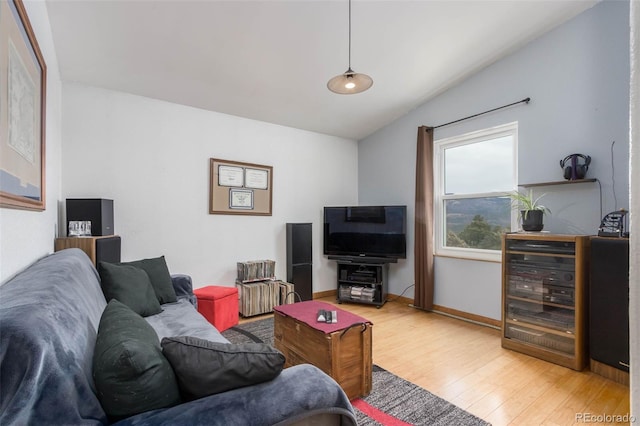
578,79
152,158
25,235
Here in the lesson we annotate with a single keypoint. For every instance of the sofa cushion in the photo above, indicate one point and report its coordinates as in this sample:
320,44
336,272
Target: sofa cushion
130,372
204,368
160,277
130,285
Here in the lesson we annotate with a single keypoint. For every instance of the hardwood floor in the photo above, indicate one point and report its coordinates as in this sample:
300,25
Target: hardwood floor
465,364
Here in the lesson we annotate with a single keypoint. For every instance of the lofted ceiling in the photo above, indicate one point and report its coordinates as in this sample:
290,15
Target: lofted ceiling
271,60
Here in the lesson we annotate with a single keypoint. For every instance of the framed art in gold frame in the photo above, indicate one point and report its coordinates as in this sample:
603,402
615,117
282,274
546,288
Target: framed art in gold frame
240,188
22,111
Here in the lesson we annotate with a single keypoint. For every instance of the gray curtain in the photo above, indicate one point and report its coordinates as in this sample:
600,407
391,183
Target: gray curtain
423,249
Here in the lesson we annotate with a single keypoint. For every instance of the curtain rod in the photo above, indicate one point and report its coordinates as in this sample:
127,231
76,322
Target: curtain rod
526,100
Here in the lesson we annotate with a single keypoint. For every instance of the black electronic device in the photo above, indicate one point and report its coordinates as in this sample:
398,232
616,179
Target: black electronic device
329,317
98,211
613,224
364,275
374,232
108,249
575,166
299,258
609,302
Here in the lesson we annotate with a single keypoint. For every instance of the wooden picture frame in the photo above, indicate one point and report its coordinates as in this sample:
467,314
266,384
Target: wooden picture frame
22,111
240,188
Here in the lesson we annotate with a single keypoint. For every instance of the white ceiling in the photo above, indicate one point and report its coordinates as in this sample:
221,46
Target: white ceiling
271,60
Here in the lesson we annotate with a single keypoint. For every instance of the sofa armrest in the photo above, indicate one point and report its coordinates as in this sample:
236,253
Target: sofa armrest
183,287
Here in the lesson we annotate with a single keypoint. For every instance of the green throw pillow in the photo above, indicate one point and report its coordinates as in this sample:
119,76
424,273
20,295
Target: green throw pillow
130,372
160,278
204,368
129,285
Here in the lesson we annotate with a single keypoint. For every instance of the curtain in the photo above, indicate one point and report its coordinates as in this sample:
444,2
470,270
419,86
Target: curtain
423,249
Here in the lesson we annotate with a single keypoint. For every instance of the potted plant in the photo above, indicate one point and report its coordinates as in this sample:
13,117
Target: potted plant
531,211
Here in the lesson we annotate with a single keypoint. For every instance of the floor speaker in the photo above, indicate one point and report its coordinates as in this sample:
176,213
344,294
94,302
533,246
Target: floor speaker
609,302
97,210
108,249
299,259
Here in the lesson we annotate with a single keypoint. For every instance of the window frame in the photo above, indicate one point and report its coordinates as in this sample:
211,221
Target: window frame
440,198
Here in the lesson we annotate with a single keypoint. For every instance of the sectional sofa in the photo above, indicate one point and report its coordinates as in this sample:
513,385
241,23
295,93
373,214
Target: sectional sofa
54,316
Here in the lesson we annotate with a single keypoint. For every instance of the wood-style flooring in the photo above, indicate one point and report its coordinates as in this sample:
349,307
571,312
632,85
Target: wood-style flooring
465,364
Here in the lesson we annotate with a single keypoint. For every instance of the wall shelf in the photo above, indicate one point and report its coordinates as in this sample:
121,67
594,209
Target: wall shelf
561,182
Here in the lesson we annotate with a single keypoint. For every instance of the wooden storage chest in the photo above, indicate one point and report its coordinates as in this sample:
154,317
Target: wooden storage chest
343,353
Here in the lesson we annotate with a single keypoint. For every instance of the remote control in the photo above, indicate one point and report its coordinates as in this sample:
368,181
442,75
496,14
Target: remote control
322,316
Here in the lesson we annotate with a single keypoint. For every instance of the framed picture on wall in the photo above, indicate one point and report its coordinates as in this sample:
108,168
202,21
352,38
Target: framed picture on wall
230,176
241,199
240,188
22,111
256,178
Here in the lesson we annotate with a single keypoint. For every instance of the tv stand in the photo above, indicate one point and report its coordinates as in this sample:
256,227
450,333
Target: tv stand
361,280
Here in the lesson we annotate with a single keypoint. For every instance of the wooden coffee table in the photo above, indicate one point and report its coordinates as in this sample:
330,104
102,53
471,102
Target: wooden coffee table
342,350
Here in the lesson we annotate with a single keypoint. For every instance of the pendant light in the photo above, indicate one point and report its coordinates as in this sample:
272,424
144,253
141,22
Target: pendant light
350,82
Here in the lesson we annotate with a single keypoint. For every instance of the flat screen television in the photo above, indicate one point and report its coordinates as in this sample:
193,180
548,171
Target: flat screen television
366,231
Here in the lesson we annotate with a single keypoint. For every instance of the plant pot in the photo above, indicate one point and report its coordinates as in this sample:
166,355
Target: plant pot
532,220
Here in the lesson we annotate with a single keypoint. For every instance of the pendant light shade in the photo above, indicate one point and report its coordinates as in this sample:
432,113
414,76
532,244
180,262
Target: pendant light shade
350,82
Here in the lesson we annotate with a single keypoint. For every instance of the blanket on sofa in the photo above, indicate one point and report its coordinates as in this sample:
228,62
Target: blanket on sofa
48,320
49,317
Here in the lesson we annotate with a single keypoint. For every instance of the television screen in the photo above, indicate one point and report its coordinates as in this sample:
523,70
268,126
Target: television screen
375,231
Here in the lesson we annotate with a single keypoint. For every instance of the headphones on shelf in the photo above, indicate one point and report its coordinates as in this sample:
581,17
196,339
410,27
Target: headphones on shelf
573,169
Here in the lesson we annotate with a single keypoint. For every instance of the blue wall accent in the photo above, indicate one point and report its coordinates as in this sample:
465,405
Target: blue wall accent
577,76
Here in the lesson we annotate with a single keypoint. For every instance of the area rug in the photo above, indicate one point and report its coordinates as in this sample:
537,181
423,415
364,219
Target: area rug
393,401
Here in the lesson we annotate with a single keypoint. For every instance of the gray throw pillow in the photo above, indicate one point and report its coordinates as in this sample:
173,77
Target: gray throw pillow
160,277
129,285
130,372
204,368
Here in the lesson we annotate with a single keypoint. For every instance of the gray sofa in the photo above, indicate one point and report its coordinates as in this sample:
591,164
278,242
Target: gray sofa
49,316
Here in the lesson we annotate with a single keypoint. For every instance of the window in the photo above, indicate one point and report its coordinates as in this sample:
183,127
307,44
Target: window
473,175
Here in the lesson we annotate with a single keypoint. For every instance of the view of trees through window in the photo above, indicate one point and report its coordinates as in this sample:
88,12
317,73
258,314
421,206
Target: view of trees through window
473,175
477,222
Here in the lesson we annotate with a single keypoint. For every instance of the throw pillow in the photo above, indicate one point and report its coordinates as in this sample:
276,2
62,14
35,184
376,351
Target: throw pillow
129,370
160,277
204,368
129,285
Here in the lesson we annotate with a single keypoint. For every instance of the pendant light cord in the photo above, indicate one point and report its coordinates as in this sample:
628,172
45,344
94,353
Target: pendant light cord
349,35
349,82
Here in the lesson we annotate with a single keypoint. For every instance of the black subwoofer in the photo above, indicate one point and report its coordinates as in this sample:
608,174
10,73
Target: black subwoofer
108,249
609,302
97,210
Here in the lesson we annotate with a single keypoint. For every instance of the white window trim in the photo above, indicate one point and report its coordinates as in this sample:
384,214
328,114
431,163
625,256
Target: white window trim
509,129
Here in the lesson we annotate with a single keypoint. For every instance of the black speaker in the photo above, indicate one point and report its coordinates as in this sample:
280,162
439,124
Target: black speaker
577,169
609,302
108,249
97,210
299,259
